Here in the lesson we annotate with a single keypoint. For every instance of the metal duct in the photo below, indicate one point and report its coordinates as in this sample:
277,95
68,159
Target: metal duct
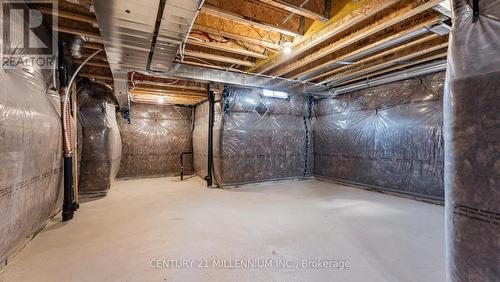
401,75
189,72
144,34
76,46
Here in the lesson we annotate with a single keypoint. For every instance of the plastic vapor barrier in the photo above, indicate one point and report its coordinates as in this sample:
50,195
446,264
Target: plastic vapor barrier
256,138
101,142
472,142
200,140
155,138
388,137
30,151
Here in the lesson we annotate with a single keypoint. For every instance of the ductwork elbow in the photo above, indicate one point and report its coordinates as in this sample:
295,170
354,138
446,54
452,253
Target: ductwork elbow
76,46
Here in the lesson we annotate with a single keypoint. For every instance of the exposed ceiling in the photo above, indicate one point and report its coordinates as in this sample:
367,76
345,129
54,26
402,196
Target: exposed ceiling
333,43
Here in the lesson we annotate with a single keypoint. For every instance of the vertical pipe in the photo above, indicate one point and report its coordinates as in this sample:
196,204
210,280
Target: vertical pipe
211,102
182,169
68,206
75,149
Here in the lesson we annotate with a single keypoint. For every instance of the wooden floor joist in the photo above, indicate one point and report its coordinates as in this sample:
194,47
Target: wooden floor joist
67,15
93,46
378,55
139,89
384,63
95,36
440,55
295,9
383,55
357,50
91,63
217,12
334,27
166,99
221,33
183,86
225,48
394,17
218,58
198,64
96,76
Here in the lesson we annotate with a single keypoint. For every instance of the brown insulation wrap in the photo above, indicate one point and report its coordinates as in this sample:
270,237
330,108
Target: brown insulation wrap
251,147
154,140
30,150
200,140
101,143
389,137
472,142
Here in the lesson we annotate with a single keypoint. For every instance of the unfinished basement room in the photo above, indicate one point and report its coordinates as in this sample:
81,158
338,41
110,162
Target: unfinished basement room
250,140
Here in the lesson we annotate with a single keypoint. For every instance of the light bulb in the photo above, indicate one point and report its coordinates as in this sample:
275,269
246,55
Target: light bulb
287,47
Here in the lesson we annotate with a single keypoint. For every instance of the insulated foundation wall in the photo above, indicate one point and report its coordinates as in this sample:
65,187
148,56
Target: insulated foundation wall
472,142
101,142
256,138
30,150
155,138
200,139
389,137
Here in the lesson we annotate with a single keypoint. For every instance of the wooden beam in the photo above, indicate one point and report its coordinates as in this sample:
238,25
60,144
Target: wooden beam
162,84
210,66
398,67
225,48
146,96
91,63
385,62
167,91
96,76
379,55
295,9
159,94
77,32
67,15
93,46
217,12
218,58
221,33
373,43
394,17
334,26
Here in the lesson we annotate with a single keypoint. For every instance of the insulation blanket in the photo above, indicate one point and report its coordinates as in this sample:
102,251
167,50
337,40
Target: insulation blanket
472,142
154,140
257,138
388,137
30,150
101,143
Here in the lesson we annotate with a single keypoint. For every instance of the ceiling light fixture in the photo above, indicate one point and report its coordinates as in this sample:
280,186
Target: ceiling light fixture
287,47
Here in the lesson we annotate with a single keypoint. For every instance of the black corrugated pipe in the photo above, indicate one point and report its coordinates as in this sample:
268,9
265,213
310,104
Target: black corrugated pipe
210,157
69,206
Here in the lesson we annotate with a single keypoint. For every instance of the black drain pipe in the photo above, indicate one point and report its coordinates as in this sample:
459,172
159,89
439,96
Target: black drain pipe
210,157
69,206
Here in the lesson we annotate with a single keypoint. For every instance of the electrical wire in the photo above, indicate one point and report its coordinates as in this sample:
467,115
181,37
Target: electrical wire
67,96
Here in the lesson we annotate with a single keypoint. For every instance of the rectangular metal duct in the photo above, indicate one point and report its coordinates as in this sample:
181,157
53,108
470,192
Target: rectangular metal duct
144,34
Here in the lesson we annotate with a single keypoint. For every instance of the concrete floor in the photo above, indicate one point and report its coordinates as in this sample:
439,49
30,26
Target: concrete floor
147,222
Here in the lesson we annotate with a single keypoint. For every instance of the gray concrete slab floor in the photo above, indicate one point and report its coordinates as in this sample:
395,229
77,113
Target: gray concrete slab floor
153,229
